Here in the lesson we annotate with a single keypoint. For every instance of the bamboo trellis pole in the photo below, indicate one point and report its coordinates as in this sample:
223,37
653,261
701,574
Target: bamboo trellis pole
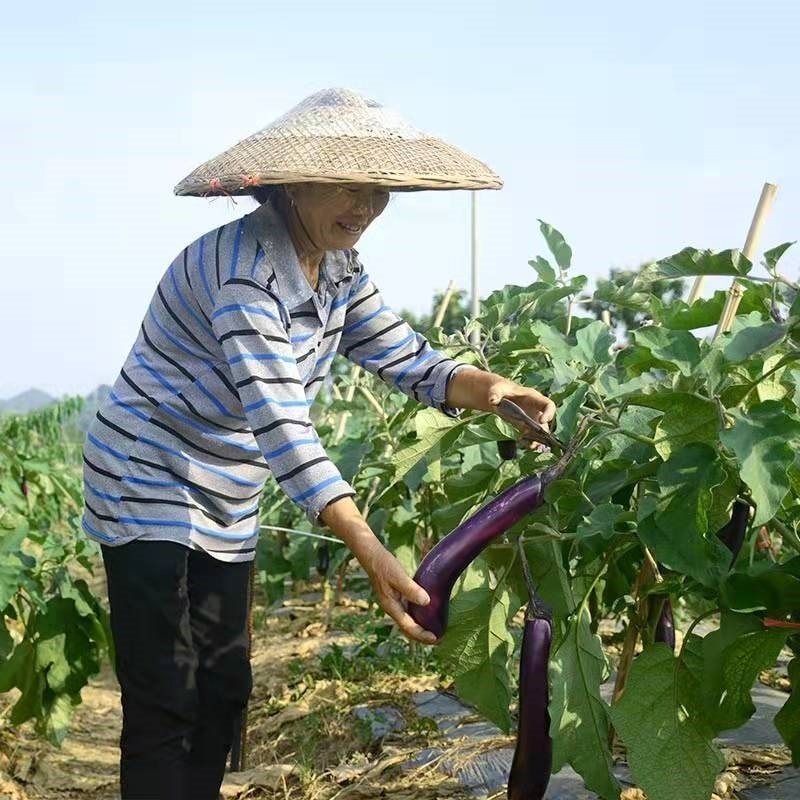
440,312
751,243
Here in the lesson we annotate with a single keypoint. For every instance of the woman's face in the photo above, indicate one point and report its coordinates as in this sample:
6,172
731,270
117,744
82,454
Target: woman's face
335,215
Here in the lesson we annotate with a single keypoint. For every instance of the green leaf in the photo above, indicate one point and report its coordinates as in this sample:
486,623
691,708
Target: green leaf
561,251
601,521
349,455
625,296
772,388
477,644
705,312
56,722
773,591
690,418
674,523
544,268
787,720
773,256
432,426
594,344
569,410
762,442
733,657
12,567
680,348
699,262
751,335
680,316
579,716
670,749
552,340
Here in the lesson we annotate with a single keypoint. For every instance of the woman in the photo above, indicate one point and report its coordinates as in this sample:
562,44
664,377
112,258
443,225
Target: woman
214,397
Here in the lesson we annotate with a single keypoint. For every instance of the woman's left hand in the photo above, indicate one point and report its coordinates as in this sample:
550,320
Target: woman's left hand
540,408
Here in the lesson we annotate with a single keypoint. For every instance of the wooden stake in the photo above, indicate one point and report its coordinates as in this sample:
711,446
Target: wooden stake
440,312
748,251
351,393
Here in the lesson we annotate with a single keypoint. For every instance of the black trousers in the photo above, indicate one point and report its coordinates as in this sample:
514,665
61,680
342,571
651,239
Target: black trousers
179,621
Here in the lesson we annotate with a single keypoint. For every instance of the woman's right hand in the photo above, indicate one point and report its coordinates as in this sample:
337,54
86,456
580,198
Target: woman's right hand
392,584
394,589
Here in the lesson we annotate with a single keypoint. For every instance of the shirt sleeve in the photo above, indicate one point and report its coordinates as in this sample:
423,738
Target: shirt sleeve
377,339
252,327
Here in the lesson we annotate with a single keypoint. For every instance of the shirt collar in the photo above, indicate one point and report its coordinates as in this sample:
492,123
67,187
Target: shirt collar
267,225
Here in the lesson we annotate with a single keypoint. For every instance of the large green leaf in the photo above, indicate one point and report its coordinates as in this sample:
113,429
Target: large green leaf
569,411
770,590
733,657
593,344
750,335
552,340
626,296
431,426
699,262
561,251
601,521
477,644
787,720
579,717
690,418
659,718
12,567
679,348
674,521
705,312
764,441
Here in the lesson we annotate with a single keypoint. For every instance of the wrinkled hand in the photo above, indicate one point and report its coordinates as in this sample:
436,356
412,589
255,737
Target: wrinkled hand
540,408
394,589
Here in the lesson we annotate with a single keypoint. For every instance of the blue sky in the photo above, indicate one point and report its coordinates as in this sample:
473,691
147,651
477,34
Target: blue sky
636,128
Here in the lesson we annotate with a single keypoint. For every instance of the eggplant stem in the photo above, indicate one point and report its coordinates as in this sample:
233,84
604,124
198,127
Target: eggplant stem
555,470
536,608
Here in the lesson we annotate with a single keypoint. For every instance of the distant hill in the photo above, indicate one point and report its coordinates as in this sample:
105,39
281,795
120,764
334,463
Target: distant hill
29,400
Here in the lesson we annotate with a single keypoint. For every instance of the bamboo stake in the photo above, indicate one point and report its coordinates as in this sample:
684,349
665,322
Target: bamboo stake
605,316
748,251
437,320
351,393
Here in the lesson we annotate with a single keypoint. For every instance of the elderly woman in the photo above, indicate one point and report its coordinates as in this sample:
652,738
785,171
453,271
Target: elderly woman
213,400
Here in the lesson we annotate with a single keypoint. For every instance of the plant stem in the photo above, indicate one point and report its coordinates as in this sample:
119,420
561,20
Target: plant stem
694,624
787,359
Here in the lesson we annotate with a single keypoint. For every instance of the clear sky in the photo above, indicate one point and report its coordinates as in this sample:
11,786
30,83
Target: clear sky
636,128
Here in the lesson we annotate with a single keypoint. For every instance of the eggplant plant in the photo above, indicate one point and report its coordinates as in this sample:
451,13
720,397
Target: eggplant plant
688,436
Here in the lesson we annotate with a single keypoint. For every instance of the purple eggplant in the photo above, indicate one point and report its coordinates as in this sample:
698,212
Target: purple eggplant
533,757
665,628
507,448
732,535
442,566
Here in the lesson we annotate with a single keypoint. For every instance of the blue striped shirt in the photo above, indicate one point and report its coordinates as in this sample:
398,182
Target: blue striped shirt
213,399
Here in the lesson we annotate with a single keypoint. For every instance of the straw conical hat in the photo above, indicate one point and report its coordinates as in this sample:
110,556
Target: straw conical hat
339,136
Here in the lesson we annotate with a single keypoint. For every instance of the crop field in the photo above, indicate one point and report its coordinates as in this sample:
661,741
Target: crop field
654,578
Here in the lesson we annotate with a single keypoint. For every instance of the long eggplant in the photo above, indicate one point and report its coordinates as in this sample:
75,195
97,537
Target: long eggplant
732,535
665,627
533,756
442,566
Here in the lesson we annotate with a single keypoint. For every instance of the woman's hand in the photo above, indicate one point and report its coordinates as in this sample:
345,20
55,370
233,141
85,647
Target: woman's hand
483,391
540,408
386,574
394,589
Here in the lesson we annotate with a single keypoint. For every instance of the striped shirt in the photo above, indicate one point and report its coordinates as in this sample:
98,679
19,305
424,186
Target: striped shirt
214,397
